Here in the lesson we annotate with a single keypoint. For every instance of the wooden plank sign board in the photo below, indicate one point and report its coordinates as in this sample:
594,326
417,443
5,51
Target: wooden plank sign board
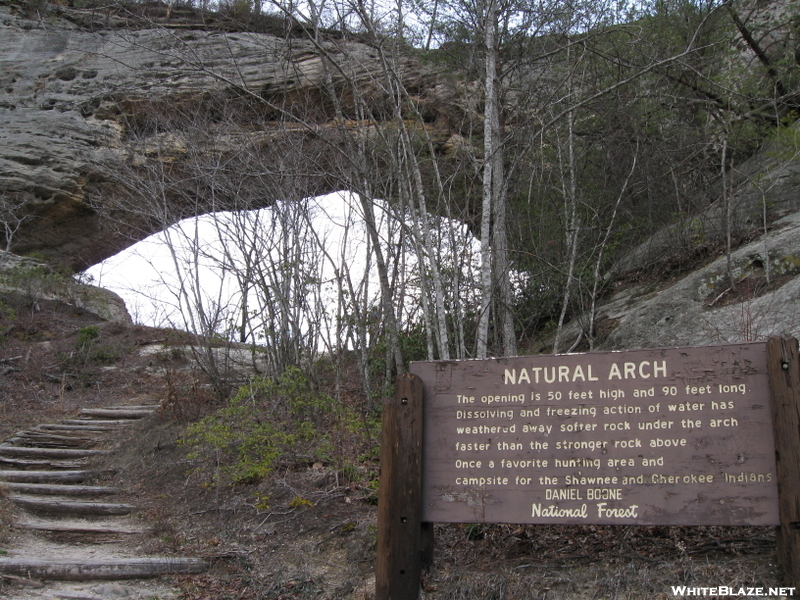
679,436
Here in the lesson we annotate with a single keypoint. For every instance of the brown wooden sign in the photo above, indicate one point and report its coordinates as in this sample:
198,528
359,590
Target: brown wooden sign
679,436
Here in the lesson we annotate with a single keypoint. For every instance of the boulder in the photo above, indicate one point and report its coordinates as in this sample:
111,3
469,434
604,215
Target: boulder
38,281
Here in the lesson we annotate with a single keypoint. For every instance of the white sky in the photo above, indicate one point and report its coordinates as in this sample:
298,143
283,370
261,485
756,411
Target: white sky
149,274
146,274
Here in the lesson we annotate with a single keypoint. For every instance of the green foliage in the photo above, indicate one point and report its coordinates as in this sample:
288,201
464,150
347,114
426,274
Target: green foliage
88,350
299,502
262,502
372,491
475,531
412,345
104,355
269,422
36,282
7,316
236,8
86,336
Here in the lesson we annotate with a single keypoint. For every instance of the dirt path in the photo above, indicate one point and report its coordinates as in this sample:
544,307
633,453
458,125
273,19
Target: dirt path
74,540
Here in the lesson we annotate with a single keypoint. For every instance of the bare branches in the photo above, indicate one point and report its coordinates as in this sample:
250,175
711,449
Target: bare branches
549,129
13,213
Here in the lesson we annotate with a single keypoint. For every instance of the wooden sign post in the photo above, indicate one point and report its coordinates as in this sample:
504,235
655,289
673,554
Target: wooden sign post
784,383
400,530
673,436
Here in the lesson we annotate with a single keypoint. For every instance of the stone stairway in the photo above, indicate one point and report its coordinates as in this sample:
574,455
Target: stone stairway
72,537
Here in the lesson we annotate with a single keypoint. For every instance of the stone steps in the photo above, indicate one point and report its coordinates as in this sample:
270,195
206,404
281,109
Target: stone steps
45,471
40,452
8,462
56,505
52,476
103,569
80,526
83,425
54,489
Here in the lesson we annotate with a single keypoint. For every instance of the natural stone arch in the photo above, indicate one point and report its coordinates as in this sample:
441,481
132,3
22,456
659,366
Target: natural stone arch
87,106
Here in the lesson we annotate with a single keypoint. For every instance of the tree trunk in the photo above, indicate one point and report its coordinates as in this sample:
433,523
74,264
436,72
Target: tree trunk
489,149
573,226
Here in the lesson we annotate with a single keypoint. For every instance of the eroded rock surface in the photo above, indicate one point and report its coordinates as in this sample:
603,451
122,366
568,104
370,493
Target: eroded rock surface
704,306
81,91
38,281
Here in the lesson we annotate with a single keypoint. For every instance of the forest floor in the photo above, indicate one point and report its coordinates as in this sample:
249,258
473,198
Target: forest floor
308,531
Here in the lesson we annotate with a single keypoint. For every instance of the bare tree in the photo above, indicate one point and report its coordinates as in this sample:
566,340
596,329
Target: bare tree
536,93
13,213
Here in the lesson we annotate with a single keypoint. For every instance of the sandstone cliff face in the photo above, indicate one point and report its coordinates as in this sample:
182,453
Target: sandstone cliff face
702,305
762,190
704,308
73,86
80,92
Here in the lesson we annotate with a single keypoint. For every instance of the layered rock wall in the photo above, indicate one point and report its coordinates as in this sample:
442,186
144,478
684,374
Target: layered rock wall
76,88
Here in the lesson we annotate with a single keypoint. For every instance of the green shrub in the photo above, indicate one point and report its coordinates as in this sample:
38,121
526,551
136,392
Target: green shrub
38,281
87,335
104,355
269,422
89,350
